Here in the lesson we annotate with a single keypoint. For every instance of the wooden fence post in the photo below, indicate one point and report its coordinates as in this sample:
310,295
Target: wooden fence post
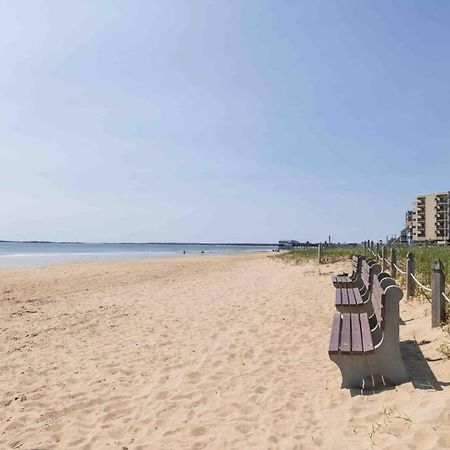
410,268
437,288
384,256
393,263
319,253
371,245
365,248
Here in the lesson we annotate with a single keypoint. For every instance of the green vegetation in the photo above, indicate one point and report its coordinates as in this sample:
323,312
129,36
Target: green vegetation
424,257
329,254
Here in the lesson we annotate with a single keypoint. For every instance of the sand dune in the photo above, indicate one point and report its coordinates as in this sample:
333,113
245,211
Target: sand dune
219,352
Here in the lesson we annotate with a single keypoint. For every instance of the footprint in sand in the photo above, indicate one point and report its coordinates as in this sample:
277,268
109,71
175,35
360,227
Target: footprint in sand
199,431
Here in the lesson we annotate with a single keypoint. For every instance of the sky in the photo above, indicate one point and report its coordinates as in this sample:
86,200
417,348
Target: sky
220,121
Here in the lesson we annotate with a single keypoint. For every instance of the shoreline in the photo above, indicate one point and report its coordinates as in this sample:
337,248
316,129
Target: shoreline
118,257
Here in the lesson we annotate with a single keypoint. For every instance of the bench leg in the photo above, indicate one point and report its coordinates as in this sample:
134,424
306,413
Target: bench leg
383,361
389,362
354,368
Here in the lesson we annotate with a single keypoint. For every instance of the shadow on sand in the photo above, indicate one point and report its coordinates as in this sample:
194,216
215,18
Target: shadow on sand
420,374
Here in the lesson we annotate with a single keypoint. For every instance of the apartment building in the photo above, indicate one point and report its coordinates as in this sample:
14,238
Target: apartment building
429,220
407,232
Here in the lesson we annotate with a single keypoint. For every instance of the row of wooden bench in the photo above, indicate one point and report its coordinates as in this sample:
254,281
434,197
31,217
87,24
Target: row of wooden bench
364,340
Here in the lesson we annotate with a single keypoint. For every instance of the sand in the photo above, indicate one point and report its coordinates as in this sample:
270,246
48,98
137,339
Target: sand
218,352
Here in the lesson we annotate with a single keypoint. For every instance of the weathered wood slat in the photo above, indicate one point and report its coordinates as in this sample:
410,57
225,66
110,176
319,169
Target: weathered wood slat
358,298
338,297
344,296
365,333
345,346
351,297
377,299
335,334
356,334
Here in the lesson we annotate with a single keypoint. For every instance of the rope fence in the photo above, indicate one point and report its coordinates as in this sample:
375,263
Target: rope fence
400,270
446,298
387,261
438,296
425,288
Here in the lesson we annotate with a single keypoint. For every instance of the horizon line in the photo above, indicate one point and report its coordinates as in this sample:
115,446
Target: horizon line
137,243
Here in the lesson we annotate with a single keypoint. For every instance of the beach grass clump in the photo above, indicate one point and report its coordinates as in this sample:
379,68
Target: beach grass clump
330,254
444,350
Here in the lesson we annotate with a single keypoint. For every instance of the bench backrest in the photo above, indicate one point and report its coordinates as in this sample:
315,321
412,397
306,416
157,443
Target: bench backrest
356,263
378,300
369,268
385,298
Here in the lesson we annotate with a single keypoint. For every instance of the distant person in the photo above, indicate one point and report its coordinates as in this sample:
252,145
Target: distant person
184,252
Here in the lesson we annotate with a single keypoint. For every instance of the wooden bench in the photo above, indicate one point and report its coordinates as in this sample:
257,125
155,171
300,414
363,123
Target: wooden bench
352,280
354,299
364,346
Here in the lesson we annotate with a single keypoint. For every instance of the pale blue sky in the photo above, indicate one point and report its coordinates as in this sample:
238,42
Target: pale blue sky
220,120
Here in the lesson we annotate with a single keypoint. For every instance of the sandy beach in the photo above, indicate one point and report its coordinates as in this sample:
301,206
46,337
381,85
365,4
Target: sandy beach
217,352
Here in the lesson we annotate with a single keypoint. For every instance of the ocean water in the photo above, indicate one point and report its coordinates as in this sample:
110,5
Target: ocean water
22,254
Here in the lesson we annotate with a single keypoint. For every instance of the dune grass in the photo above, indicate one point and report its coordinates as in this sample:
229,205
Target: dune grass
424,257
329,254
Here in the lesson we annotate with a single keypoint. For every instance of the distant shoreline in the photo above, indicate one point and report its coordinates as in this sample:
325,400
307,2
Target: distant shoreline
248,244
32,253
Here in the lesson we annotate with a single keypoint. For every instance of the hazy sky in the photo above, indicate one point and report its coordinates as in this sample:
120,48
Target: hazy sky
220,120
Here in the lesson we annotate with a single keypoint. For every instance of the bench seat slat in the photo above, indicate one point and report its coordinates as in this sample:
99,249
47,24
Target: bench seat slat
338,297
351,297
357,346
345,346
365,333
344,296
335,333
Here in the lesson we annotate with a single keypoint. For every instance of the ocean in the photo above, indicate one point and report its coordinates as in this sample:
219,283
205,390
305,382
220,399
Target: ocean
24,254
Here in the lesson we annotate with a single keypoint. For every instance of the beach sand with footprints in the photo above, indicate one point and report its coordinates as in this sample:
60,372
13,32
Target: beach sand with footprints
216,352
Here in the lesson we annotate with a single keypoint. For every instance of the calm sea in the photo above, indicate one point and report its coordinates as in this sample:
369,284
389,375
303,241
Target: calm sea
19,254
